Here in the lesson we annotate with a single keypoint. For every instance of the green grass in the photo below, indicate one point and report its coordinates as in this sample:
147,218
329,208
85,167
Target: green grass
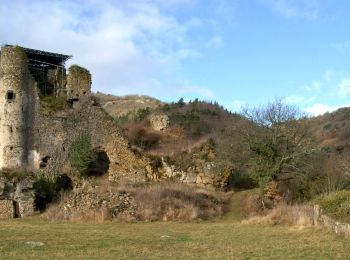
224,238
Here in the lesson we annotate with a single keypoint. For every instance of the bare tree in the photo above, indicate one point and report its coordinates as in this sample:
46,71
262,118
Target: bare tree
279,140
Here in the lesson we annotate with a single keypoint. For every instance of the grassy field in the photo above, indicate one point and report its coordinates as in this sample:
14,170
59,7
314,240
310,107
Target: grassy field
225,238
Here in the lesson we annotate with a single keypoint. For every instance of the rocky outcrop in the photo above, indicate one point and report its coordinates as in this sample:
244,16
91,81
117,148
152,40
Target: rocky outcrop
198,173
159,122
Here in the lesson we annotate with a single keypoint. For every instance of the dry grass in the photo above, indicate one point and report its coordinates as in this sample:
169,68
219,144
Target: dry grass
169,201
55,213
166,201
224,238
299,215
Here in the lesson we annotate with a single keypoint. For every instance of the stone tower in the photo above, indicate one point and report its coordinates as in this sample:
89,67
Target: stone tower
18,106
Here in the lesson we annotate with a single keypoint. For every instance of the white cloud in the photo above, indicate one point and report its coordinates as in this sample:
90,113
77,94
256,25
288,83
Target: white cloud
295,9
334,84
344,87
215,42
320,109
129,46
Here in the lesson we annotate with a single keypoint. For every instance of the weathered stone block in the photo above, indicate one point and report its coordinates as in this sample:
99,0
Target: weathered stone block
159,122
6,209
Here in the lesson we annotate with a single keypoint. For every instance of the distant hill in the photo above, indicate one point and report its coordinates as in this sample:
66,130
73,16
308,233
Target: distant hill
332,130
118,106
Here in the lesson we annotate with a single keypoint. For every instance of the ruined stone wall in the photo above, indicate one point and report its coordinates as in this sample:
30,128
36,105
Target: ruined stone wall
16,196
57,133
78,82
57,77
6,209
18,106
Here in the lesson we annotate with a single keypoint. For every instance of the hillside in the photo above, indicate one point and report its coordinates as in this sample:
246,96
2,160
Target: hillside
196,138
332,130
120,106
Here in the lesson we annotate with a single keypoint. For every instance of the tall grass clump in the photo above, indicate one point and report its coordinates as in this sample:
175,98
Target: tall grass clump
299,215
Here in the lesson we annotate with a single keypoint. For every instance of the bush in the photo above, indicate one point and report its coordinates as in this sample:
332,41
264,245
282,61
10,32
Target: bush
143,138
44,190
142,113
53,104
47,190
336,205
240,180
80,154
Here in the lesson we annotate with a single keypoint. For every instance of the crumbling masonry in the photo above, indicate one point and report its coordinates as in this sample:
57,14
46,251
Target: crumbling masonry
34,141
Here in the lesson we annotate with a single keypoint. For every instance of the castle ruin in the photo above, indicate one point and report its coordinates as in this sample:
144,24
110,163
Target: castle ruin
43,111
26,75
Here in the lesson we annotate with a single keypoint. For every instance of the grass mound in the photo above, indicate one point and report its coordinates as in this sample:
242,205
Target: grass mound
175,201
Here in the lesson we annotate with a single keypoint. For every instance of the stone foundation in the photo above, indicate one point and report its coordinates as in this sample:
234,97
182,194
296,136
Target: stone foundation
321,219
6,209
16,198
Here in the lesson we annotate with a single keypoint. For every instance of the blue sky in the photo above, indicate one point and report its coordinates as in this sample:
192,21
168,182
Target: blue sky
236,52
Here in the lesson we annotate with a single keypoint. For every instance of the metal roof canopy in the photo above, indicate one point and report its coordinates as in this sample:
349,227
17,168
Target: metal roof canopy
43,59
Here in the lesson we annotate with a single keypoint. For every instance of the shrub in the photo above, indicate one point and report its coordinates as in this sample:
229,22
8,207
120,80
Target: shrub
240,180
142,113
252,205
53,104
44,191
336,204
80,154
47,190
143,138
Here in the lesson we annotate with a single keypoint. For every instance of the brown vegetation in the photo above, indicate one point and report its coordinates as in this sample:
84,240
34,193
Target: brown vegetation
165,201
300,215
173,201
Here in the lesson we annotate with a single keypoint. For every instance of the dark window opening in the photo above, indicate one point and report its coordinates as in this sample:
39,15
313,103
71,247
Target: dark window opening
99,164
16,213
71,91
11,148
84,92
44,161
10,129
71,101
10,95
